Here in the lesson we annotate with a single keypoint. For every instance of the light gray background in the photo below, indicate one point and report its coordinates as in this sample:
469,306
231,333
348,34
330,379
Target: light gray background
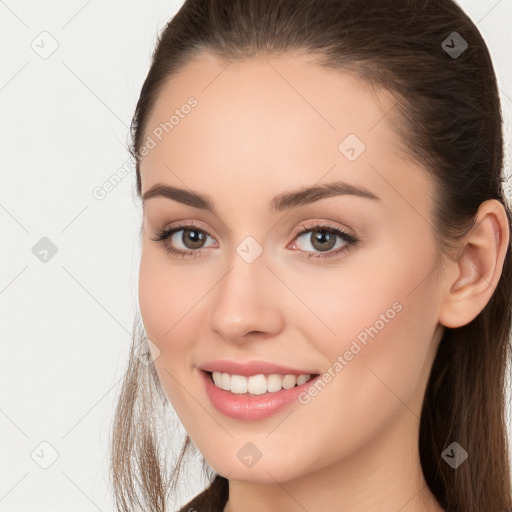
66,323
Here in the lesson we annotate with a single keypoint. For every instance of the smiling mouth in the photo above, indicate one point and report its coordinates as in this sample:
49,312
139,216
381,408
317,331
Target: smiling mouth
259,384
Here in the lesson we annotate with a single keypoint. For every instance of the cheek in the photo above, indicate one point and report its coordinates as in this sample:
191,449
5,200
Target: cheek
153,298
162,296
379,317
384,328
170,298
362,301
377,361
164,304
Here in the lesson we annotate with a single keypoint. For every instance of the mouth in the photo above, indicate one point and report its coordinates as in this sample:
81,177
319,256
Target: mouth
274,392
258,384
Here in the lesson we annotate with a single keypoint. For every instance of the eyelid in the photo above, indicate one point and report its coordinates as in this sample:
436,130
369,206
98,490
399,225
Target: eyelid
184,224
318,224
351,240
306,225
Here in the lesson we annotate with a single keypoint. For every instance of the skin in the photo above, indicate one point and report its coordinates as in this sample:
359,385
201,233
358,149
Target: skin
262,127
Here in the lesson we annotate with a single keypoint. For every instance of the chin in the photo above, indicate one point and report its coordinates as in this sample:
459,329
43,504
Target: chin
263,472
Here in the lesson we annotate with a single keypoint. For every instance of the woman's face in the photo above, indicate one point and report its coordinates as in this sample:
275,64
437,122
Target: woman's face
359,310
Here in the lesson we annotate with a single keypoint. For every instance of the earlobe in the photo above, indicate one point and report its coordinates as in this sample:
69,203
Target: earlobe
478,269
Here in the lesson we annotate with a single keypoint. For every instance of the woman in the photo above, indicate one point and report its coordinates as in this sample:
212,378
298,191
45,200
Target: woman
325,278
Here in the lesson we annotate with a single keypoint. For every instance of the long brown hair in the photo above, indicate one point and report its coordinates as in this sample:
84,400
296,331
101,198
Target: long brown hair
450,120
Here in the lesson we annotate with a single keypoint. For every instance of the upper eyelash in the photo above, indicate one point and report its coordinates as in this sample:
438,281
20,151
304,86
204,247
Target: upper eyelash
350,240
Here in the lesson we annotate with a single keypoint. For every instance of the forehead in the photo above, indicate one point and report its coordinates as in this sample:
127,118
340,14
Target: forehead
269,122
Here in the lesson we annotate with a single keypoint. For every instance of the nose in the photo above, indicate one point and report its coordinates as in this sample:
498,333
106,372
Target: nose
247,302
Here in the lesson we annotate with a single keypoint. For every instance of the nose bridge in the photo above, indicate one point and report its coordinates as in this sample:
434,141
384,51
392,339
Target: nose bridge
245,299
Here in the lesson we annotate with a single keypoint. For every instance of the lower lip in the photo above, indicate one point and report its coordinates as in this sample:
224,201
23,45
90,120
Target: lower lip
251,407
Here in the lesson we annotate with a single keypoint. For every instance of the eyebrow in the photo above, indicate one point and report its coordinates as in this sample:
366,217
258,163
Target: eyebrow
284,201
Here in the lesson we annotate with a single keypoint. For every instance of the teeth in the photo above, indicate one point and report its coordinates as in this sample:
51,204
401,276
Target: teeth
274,383
301,379
238,384
226,382
257,384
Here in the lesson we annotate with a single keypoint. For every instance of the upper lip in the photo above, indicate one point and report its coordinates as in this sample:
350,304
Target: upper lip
251,368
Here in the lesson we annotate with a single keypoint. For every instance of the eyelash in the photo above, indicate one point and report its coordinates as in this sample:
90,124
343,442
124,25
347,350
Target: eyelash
351,240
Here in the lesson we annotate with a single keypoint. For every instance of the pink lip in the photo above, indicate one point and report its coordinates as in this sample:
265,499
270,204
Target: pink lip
251,407
252,368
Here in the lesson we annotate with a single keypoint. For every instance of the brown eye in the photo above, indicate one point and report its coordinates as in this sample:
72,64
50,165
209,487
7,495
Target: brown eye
323,239
192,238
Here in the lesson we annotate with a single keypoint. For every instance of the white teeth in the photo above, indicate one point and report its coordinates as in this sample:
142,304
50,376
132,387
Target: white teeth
301,379
238,384
226,381
217,379
257,384
289,381
274,383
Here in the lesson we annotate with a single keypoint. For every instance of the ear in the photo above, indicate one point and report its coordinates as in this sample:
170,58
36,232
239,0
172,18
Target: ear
478,268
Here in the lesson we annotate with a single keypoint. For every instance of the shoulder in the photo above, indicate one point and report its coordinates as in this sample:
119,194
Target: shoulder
196,504
212,499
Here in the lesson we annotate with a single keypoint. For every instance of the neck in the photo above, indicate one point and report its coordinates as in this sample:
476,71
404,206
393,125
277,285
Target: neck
382,476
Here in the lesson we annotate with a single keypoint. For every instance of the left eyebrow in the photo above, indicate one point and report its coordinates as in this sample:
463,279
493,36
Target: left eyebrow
308,195
281,202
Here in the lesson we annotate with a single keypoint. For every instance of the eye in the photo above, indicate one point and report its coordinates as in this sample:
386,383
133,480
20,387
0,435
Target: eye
191,237
324,240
